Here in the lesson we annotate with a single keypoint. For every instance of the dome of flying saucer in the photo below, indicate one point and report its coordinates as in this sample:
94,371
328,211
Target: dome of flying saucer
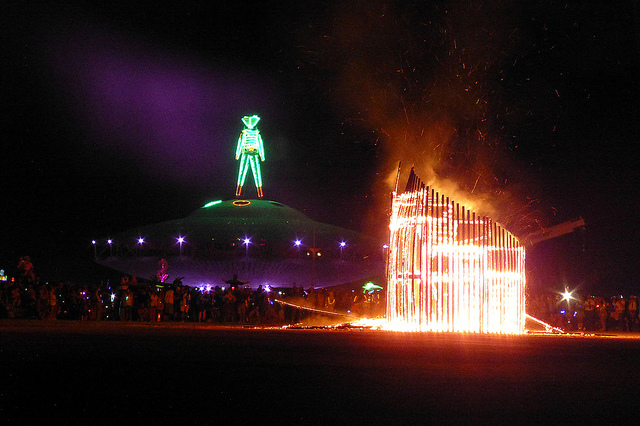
222,224
264,241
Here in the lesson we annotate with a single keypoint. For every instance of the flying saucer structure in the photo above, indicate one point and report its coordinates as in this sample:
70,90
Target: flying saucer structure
262,242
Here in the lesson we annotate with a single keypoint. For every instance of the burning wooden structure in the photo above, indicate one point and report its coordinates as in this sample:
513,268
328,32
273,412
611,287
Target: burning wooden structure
450,269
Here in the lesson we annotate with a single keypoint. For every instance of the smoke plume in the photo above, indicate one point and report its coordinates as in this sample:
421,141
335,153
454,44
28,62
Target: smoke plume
427,79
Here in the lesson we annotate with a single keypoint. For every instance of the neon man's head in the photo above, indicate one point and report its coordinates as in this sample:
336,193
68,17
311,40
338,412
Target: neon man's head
250,122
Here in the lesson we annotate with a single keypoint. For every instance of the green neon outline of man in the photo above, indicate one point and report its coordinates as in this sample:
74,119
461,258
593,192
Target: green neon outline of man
250,152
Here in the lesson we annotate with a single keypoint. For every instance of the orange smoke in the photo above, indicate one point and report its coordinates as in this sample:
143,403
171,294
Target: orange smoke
425,79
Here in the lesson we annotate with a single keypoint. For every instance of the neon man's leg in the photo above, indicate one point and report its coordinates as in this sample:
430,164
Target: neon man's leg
257,176
242,173
255,168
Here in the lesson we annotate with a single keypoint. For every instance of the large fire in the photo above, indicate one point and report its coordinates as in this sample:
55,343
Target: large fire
450,270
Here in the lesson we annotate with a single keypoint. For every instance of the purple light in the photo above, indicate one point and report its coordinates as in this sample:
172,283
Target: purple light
297,243
181,240
93,242
140,240
168,100
343,244
109,241
246,241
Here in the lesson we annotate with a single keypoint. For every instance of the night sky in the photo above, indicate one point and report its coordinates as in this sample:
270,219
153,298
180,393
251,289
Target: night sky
118,116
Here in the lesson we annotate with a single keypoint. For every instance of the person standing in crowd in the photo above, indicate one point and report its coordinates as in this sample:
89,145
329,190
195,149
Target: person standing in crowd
42,303
15,302
177,302
243,310
153,305
205,306
321,299
311,298
603,314
184,304
229,307
168,303
53,303
98,313
632,314
590,313
619,314
127,303
26,276
331,301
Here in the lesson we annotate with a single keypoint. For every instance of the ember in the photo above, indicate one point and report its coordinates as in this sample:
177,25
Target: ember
450,270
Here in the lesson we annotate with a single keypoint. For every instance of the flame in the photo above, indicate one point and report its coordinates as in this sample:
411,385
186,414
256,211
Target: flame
450,270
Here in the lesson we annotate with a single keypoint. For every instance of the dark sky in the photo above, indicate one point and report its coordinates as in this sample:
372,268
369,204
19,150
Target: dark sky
117,116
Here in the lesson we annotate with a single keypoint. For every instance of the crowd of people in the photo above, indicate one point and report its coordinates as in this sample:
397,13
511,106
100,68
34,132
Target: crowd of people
590,313
130,300
236,303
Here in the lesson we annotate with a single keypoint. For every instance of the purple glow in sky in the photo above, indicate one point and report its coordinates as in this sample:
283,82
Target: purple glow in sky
175,116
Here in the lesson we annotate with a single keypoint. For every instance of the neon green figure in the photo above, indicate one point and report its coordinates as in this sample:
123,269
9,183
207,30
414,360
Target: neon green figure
250,152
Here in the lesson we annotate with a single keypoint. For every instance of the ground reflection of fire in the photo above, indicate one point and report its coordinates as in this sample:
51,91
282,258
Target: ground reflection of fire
450,270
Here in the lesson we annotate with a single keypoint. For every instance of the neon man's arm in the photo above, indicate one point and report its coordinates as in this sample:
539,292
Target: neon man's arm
260,147
239,147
